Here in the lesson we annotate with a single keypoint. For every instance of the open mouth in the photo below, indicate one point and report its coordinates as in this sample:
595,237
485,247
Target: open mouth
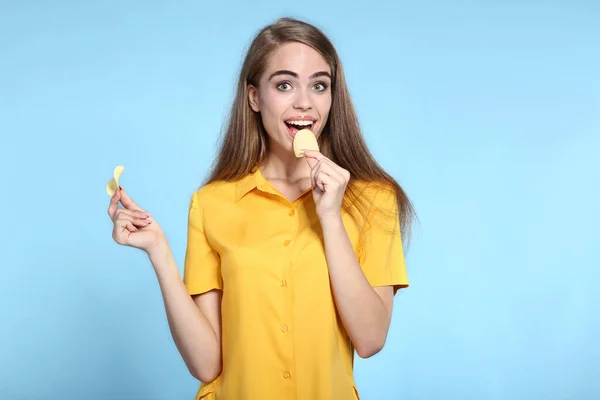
295,126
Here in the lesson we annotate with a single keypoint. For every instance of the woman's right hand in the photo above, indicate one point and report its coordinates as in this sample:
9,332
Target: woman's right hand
133,226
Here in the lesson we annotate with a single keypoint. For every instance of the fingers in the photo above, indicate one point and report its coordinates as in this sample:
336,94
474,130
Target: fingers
312,157
326,173
135,217
314,160
127,201
324,182
124,225
121,196
127,222
114,204
122,231
321,176
313,154
311,161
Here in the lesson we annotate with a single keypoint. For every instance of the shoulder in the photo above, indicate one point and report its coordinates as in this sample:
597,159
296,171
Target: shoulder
375,194
212,194
378,202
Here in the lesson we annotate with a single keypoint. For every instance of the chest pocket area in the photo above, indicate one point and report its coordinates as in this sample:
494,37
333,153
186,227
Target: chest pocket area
247,269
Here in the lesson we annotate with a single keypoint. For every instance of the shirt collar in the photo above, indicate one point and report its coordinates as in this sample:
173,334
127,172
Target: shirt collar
251,181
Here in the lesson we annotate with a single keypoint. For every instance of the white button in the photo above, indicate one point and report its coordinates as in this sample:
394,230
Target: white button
286,375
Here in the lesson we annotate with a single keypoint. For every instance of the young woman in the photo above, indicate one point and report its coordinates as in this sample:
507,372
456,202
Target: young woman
291,263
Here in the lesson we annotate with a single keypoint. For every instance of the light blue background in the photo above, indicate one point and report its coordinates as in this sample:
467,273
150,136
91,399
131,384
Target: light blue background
486,112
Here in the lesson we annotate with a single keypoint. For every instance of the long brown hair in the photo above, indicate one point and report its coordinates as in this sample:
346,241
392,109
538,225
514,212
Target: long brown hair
244,143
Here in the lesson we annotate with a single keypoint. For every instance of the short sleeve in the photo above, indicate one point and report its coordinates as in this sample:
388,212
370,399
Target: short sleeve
202,267
382,255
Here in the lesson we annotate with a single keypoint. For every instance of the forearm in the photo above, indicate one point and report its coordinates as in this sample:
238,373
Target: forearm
191,331
362,311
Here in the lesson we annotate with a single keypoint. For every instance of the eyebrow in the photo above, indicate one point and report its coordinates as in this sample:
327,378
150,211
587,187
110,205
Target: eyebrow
295,75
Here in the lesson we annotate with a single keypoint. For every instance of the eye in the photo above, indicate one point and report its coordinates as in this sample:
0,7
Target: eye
284,86
320,87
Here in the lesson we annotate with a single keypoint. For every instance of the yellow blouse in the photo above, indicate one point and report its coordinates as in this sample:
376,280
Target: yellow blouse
281,335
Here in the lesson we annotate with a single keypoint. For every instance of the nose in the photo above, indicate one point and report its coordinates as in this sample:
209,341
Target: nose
302,101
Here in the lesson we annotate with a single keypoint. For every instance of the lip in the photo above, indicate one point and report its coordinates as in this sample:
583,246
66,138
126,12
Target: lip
299,118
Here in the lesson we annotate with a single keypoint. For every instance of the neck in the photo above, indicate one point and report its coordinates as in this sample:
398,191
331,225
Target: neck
282,164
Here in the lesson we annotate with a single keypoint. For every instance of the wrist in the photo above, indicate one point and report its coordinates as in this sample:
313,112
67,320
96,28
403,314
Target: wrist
332,220
159,250
163,262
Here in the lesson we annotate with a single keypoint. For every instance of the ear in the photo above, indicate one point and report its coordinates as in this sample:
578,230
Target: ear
253,98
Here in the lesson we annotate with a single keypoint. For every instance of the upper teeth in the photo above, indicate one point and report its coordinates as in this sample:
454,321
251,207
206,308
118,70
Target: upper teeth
300,123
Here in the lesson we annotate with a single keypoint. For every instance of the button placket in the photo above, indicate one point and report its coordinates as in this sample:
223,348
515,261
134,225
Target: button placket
285,286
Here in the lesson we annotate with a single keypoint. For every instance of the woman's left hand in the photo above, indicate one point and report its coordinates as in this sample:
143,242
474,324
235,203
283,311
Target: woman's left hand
329,182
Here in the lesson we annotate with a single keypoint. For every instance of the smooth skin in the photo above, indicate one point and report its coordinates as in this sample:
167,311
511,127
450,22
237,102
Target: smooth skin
365,311
195,321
